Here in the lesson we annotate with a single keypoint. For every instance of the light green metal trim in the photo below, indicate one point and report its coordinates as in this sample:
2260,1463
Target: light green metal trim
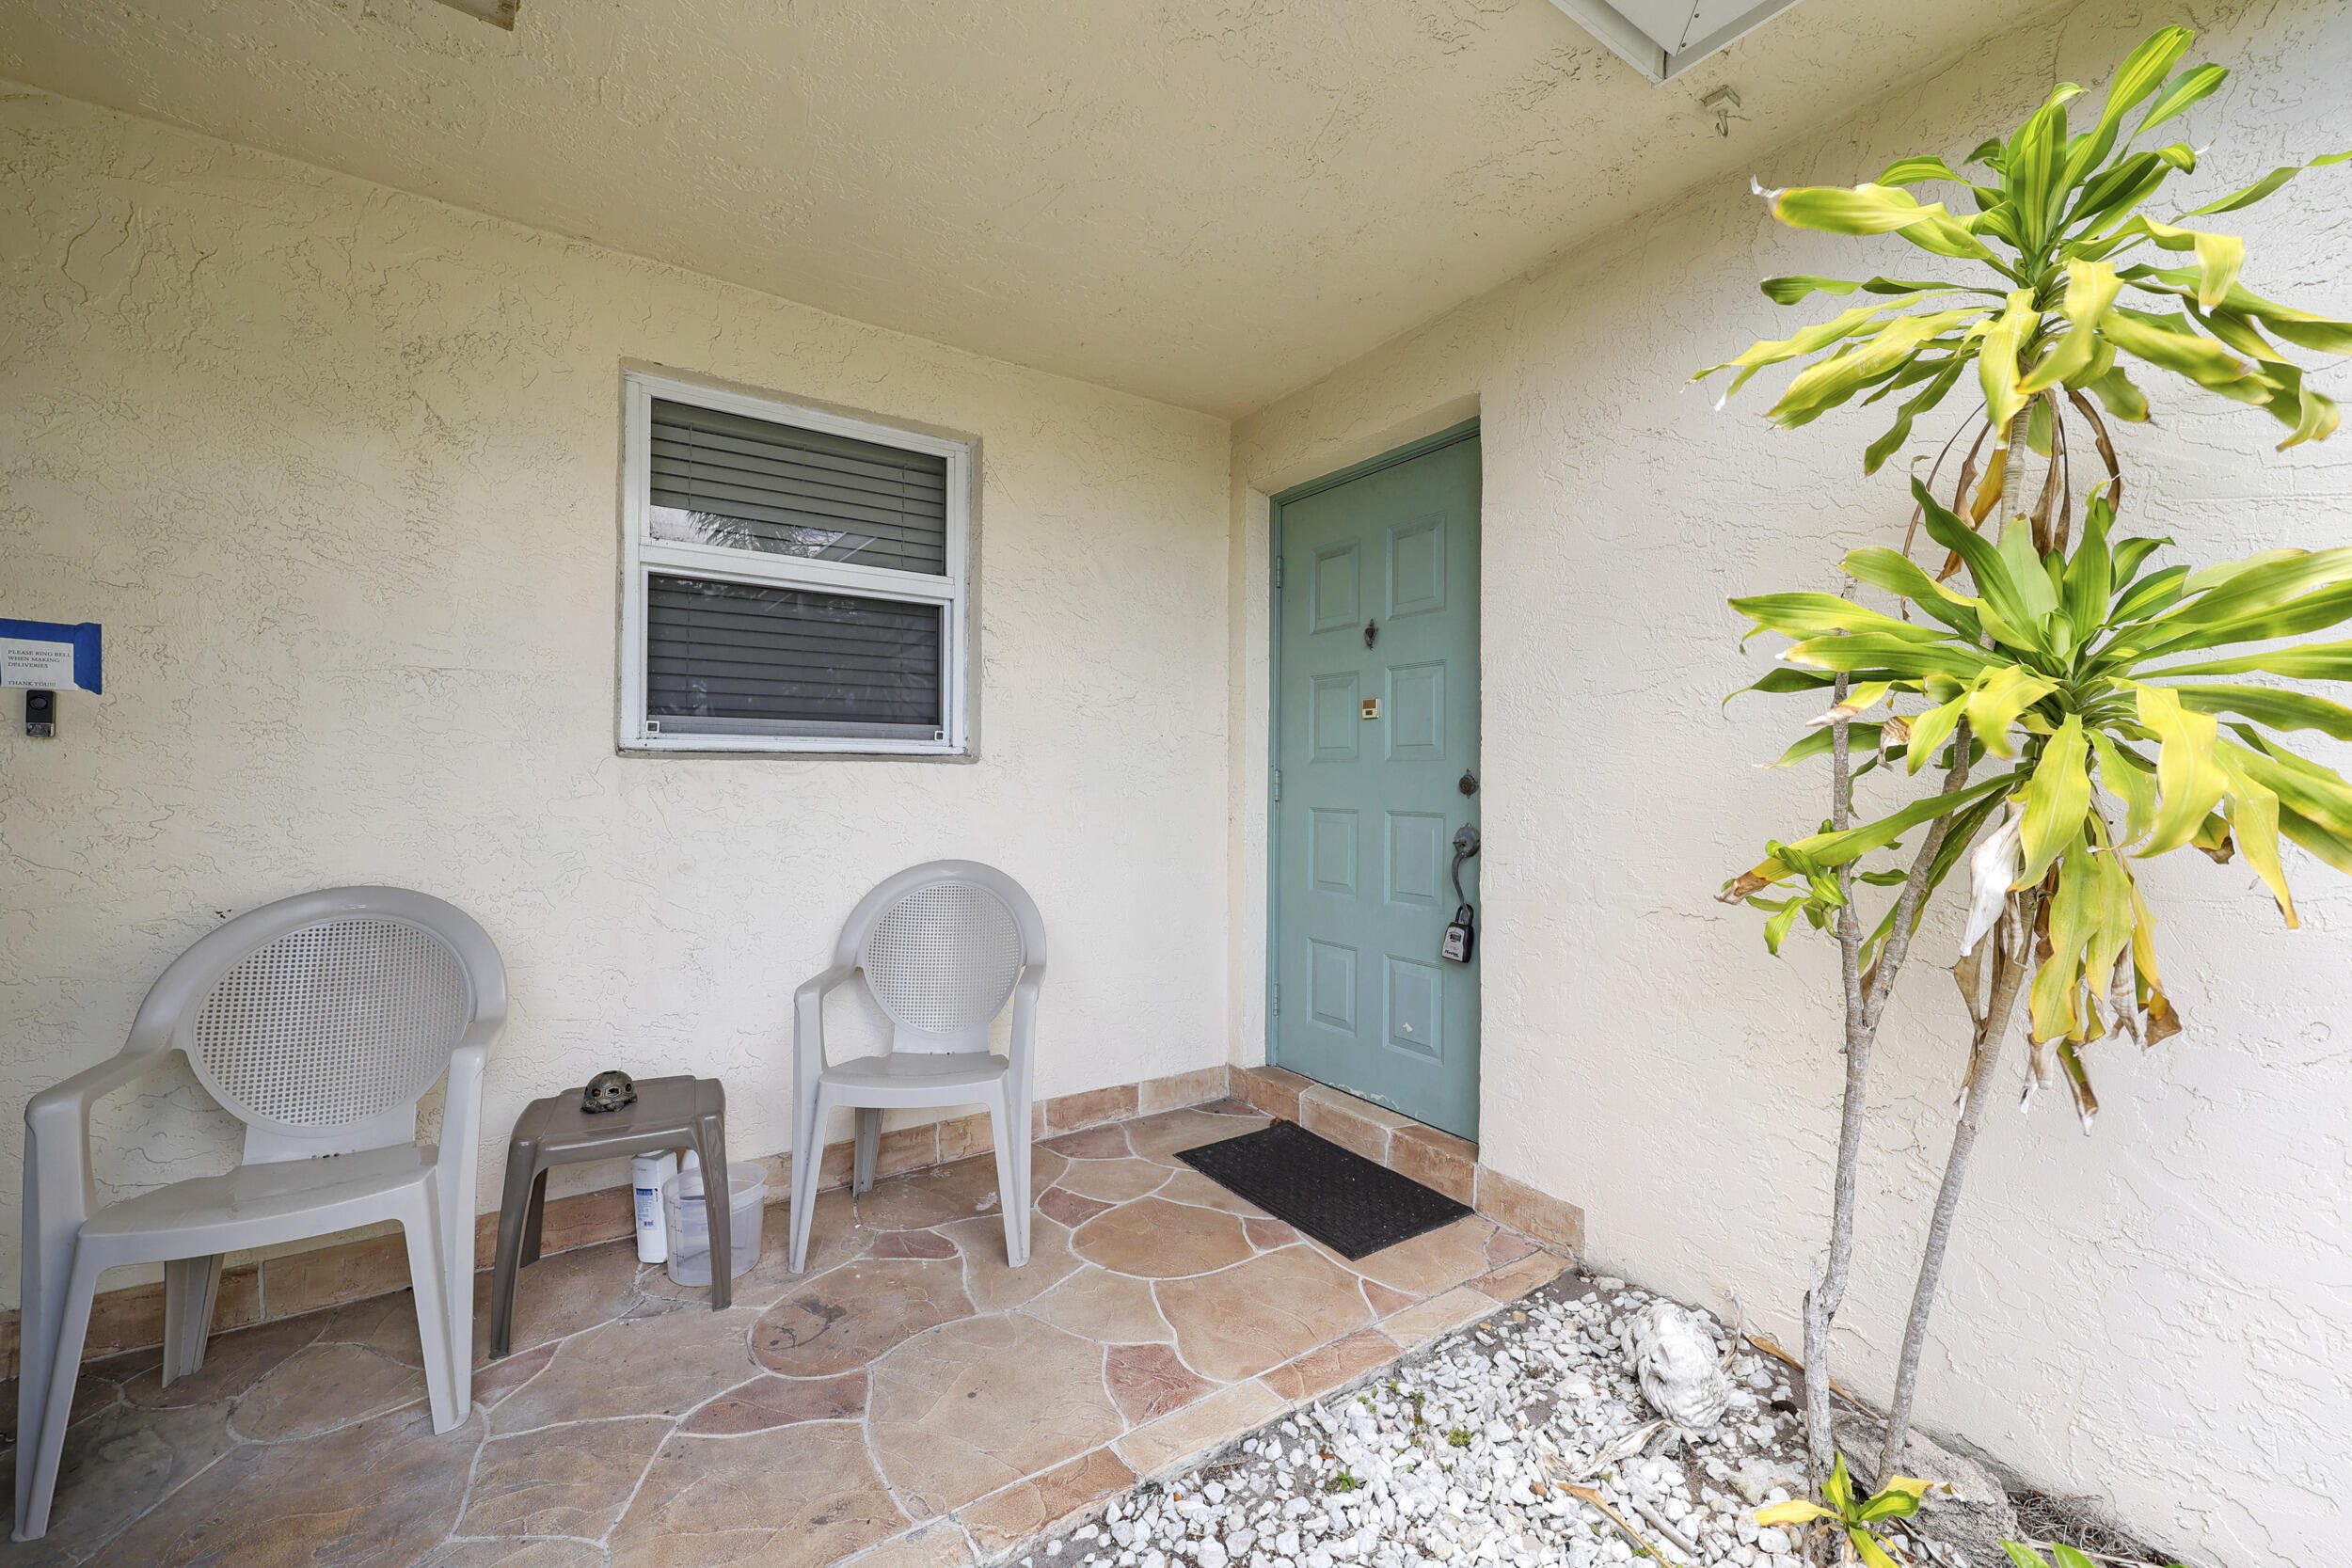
1452,434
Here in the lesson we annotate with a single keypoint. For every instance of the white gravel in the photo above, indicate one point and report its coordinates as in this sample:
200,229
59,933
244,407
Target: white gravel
1455,1456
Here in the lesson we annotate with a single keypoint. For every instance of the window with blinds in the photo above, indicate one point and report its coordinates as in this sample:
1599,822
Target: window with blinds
796,578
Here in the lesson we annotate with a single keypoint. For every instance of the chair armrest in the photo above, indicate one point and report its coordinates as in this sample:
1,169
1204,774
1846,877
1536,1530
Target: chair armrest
808,1018
59,1193
461,1107
1024,1038
56,1130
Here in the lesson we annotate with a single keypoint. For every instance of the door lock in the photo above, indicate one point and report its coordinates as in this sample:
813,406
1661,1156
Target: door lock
1468,782
1461,936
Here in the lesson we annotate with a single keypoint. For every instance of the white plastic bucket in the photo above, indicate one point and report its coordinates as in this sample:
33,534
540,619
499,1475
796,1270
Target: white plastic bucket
688,1223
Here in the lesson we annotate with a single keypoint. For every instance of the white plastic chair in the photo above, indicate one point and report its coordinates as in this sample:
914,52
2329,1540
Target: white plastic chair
318,1022
943,946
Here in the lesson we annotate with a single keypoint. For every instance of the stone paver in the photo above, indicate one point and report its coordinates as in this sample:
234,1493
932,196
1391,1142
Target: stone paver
1154,1239
845,1319
1262,1313
560,1481
908,1401
796,1497
972,1407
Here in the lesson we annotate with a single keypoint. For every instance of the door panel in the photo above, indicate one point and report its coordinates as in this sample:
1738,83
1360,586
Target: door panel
1370,798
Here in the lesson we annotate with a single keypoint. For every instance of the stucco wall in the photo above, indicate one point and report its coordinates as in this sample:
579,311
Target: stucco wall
337,470
2156,1313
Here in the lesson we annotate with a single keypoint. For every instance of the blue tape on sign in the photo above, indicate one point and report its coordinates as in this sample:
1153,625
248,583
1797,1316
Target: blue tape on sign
86,670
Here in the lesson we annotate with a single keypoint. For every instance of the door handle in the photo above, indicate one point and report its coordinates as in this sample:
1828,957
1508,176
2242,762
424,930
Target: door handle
1465,846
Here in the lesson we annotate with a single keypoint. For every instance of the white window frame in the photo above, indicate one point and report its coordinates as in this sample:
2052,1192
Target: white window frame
642,555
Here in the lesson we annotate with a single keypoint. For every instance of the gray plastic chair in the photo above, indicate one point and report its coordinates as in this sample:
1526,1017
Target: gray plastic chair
319,1021
943,947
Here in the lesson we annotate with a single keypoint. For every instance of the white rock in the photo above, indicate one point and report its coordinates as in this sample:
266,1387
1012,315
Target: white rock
1773,1540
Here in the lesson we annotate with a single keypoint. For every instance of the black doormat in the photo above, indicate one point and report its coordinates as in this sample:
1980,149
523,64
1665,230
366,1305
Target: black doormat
1342,1199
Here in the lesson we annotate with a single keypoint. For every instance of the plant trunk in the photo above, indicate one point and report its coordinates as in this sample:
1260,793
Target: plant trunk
1829,1286
2010,973
1864,1005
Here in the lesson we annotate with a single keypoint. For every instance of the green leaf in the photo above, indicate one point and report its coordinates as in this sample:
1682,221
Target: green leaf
2311,612
2220,257
2264,186
2321,795
2315,662
1810,340
1785,682
1862,737
1837,1491
2318,841
2141,73
2267,704
2090,574
1863,209
2264,586
2028,570
2299,327
1827,383
1885,657
2151,595
2120,397
2007,690
1802,615
1930,730
2131,780
2130,554
1899,575
2191,87
1789,291
2023,1556
2002,607
2184,353
1944,378
1834,849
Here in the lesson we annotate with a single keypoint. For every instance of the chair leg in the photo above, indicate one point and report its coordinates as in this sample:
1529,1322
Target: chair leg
518,1205
46,1448
710,1142
1009,1196
447,1366
1017,1114
191,1288
866,1149
808,1125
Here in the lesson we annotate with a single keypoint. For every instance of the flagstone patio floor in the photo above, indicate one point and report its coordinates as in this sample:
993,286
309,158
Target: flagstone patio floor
907,1402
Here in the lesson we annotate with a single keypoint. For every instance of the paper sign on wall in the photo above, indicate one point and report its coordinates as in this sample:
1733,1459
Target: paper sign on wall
49,654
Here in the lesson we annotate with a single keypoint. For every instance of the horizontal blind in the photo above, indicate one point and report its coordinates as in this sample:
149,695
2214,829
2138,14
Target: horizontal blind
755,484
735,659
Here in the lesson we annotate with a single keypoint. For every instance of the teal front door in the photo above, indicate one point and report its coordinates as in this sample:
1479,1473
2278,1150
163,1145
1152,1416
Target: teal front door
1375,761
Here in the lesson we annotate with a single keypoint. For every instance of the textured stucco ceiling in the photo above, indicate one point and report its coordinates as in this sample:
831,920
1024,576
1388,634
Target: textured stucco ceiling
1207,203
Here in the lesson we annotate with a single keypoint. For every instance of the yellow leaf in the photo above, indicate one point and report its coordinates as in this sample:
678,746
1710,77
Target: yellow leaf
2090,287
1795,1512
1867,1547
2190,784
2056,799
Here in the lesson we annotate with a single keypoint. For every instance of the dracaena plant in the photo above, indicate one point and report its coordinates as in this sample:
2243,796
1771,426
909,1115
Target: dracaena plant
2049,675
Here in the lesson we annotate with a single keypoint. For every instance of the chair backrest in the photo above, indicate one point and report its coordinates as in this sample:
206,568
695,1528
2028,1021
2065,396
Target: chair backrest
942,945
320,1021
